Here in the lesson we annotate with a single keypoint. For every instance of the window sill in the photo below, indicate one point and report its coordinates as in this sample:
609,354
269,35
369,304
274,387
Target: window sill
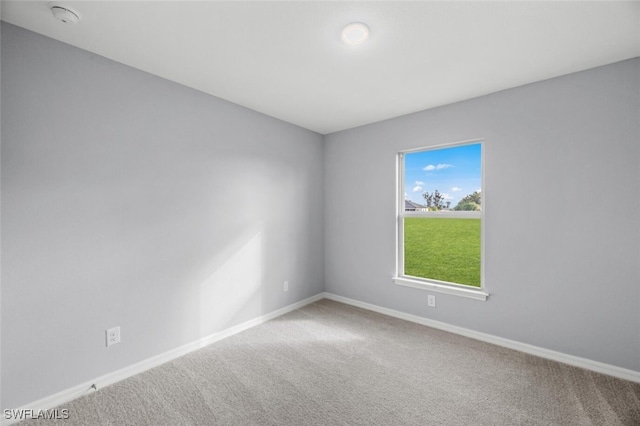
471,293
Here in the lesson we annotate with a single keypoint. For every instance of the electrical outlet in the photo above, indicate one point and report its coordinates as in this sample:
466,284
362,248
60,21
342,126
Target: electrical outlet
285,287
113,336
431,301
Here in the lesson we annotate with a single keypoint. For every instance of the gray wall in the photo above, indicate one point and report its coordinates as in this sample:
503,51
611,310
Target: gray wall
562,202
1,405
130,200
133,201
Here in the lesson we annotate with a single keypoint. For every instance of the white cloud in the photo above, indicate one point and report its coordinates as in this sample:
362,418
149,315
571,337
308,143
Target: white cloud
446,196
440,166
479,190
419,182
456,189
417,188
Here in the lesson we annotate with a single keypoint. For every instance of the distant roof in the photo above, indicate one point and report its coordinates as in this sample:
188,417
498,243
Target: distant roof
408,204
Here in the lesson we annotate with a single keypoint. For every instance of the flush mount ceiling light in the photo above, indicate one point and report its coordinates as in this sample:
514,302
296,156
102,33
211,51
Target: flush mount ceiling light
64,13
355,33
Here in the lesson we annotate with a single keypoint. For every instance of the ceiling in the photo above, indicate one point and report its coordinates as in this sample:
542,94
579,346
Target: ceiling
286,59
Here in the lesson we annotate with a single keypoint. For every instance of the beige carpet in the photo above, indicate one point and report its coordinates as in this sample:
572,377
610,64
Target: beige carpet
333,364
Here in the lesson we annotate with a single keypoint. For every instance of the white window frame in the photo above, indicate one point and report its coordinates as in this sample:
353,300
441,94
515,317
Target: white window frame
477,293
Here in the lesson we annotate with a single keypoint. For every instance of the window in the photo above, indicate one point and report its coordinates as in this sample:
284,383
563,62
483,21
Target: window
440,209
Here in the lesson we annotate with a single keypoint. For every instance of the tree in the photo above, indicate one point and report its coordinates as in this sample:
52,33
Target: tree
428,198
471,202
435,201
467,206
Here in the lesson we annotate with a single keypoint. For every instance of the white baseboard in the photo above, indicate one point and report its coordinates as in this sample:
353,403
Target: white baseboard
598,367
70,394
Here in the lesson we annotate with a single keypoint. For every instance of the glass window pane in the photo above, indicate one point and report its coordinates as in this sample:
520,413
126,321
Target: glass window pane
443,249
443,179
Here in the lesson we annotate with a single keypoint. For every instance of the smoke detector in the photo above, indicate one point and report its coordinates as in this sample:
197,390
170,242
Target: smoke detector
64,13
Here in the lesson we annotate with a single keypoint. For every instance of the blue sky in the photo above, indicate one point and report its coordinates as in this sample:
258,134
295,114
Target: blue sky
454,172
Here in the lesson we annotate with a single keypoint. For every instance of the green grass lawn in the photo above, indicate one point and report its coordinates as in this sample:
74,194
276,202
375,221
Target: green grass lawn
444,249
